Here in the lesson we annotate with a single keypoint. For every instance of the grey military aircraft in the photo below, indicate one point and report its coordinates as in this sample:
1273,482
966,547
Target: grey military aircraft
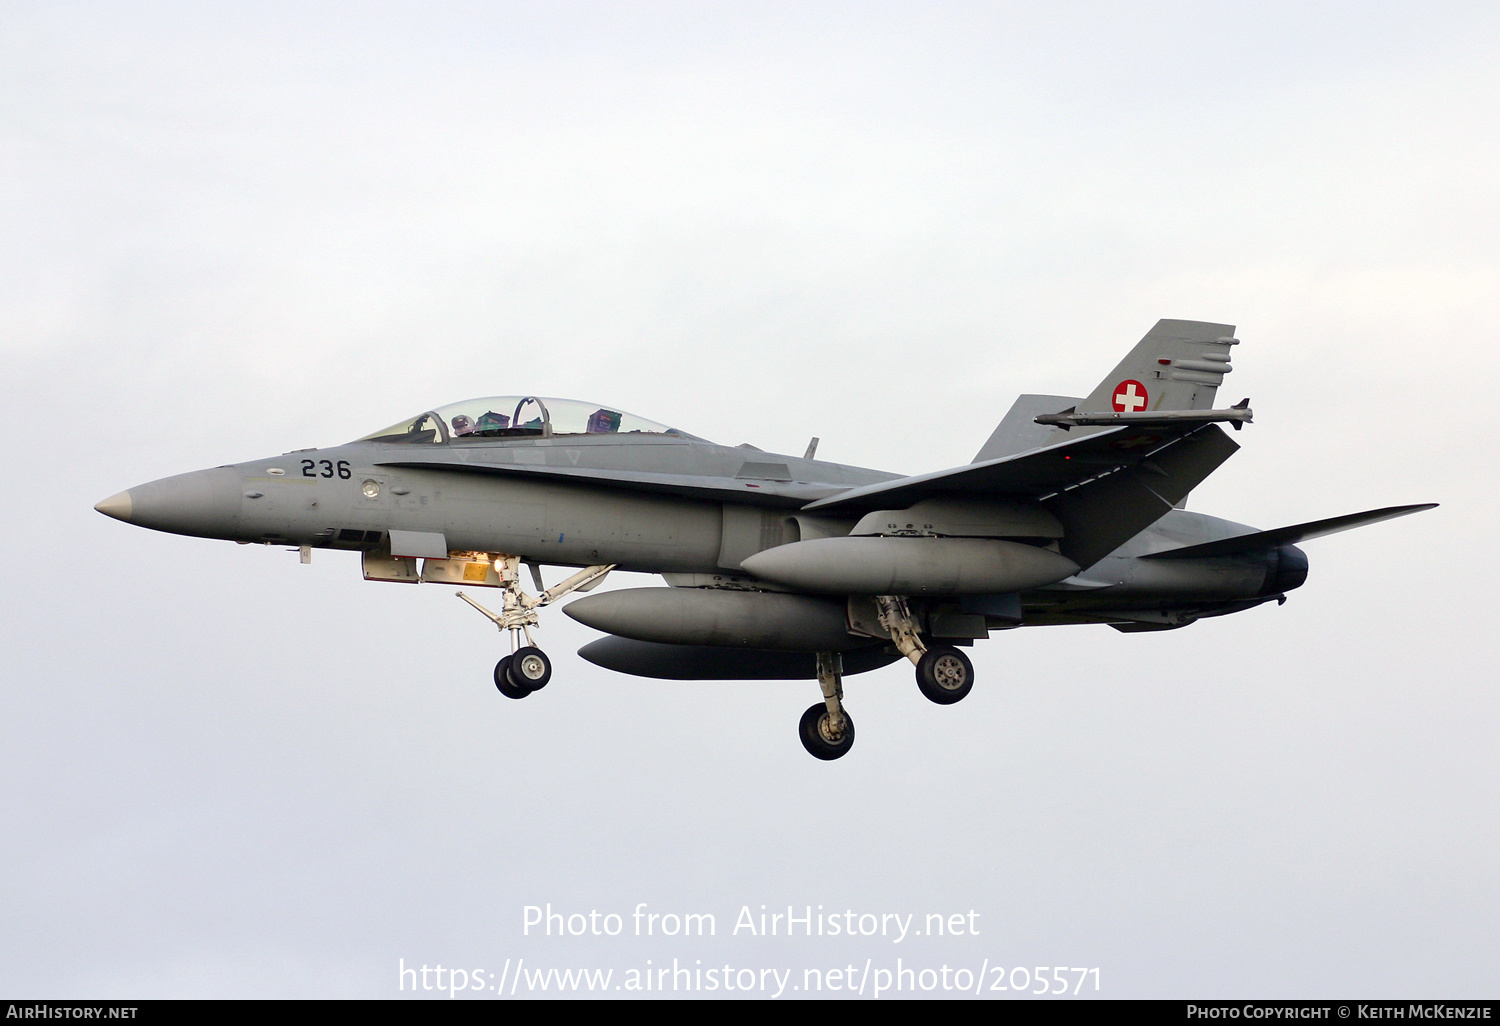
781,567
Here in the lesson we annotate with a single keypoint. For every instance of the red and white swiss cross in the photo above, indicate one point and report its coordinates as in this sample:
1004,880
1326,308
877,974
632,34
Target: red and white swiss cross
1129,397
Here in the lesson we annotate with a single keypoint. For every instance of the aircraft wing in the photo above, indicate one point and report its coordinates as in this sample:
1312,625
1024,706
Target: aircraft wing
1035,474
790,494
1105,487
1288,535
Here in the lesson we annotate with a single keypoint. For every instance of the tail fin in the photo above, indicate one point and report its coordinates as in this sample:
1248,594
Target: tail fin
1019,432
1179,365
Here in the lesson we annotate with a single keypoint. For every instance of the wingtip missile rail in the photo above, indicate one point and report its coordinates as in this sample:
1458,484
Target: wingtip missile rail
1236,416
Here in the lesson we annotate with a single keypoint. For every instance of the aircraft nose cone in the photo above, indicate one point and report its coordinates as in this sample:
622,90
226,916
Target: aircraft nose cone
205,504
118,506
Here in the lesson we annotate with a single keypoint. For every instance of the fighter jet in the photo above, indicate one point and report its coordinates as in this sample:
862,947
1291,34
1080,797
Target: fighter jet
782,567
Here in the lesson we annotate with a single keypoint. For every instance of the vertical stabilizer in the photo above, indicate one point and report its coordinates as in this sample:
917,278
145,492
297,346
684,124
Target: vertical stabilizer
1179,365
1019,431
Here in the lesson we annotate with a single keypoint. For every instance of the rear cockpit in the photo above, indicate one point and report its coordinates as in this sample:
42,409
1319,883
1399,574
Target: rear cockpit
511,416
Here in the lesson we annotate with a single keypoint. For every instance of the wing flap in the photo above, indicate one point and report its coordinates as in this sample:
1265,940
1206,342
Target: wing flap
1100,515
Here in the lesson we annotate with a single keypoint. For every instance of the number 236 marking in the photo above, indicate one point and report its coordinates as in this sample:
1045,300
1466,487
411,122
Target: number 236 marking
329,468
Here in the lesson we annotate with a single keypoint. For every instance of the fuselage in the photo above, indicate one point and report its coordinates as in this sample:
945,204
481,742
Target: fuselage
660,504
778,567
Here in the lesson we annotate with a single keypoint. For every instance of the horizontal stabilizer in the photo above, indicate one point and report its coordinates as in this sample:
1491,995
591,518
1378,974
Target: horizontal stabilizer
1289,535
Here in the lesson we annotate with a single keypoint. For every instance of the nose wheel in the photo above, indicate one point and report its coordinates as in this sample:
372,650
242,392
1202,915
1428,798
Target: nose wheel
503,681
527,668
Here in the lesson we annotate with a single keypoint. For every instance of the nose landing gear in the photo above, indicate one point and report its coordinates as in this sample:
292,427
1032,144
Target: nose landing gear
503,681
527,668
530,668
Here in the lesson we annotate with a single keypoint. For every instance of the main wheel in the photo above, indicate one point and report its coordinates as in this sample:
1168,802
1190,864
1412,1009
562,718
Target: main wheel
818,736
502,681
945,674
530,668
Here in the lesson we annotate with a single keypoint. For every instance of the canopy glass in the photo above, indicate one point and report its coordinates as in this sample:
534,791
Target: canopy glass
516,416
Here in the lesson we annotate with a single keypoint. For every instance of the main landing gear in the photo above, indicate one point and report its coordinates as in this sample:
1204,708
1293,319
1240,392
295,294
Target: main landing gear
827,731
944,674
527,668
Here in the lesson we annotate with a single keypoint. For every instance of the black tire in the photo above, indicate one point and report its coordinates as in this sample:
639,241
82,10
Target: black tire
945,675
816,735
502,681
529,668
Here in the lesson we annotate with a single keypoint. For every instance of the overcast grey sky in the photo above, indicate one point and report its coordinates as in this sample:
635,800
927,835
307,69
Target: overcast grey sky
227,232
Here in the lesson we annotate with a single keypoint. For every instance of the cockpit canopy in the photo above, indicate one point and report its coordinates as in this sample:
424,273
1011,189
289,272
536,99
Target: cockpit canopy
516,416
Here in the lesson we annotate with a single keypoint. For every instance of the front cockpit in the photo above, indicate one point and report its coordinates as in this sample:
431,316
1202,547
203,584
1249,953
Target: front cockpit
511,416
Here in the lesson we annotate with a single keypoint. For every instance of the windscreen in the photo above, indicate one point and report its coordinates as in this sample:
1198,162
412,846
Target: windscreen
514,416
